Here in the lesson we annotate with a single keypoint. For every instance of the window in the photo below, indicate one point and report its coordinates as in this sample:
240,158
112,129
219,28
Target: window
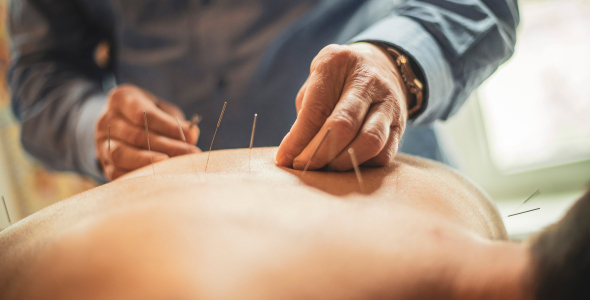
536,107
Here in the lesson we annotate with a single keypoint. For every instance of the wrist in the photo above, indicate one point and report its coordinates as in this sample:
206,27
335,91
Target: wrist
413,81
89,113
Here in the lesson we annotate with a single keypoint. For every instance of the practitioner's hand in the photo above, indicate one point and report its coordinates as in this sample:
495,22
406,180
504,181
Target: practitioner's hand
129,148
358,92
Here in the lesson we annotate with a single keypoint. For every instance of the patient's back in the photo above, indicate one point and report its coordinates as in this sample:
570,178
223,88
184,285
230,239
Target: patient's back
237,229
410,180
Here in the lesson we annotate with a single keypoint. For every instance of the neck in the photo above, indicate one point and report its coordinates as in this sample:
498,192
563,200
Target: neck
494,270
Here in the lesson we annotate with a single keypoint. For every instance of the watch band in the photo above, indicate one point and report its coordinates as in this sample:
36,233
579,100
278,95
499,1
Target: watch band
412,83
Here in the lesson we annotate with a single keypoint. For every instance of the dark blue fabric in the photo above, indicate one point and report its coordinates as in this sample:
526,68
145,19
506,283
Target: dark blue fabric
254,54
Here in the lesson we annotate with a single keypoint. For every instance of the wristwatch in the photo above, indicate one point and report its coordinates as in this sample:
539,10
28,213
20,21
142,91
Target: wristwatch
412,83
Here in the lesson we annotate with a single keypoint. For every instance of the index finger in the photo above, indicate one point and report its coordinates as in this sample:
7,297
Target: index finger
132,104
323,91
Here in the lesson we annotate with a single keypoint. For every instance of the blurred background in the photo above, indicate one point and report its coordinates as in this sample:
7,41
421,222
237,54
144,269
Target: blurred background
26,186
526,129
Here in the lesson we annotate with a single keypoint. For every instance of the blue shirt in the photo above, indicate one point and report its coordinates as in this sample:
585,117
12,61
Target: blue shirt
253,54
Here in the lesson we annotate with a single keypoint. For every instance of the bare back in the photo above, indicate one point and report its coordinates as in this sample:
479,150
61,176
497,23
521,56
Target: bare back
239,229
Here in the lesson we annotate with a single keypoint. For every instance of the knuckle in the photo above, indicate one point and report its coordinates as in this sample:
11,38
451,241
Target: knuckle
318,112
376,82
138,138
343,57
114,93
328,51
104,119
332,48
344,125
365,88
372,83
138,117
333,54
338,53
118,94
101,126
375,138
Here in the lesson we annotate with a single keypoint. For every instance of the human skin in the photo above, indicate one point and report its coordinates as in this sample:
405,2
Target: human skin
260,231
358,92
124,113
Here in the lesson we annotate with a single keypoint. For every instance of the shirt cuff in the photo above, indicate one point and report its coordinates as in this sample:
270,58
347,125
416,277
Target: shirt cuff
86,124
409,36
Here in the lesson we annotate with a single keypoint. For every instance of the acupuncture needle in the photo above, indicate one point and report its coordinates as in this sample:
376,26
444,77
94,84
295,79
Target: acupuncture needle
6,209
523,212
182,135
252,141
183,138
527,199
212,140
355,165
316,150
147,132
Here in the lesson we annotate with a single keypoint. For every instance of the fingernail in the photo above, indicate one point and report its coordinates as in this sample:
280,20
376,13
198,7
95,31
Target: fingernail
298,165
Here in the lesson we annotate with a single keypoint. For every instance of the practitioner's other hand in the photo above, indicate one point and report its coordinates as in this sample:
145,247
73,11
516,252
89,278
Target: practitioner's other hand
358,91
129,147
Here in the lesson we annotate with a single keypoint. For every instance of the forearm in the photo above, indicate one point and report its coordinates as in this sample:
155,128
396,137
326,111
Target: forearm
57,119
456,46
56,85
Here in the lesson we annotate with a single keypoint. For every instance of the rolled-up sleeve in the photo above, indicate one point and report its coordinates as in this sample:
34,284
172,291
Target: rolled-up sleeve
456,45
56,86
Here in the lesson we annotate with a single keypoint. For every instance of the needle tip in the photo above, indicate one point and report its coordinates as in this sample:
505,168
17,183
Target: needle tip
355,166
